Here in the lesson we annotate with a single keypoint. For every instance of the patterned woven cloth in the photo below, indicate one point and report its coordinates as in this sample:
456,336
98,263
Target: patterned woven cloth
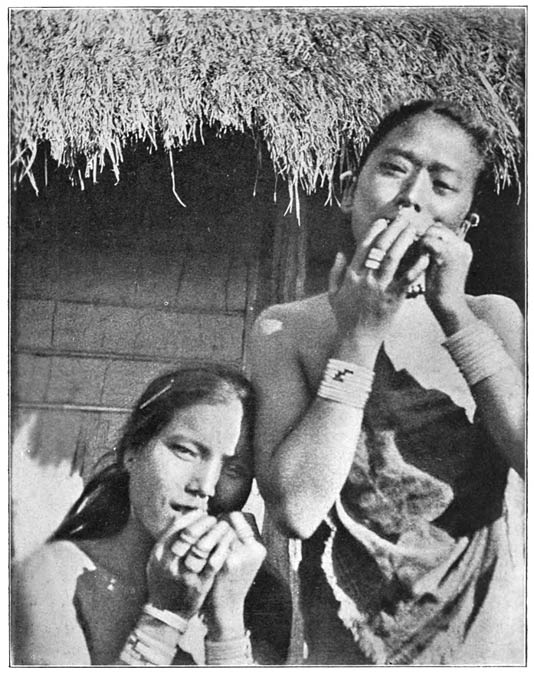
408,554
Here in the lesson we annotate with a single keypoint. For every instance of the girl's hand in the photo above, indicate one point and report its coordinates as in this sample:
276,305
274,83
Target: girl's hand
225,603
183,563
450,259
364,301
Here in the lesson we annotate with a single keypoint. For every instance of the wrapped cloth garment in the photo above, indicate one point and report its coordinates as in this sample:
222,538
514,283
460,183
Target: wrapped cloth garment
416,548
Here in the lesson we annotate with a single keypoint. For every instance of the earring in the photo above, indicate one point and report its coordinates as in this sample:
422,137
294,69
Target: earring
474,220
470,222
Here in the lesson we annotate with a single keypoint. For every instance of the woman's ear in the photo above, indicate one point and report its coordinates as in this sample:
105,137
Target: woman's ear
348,181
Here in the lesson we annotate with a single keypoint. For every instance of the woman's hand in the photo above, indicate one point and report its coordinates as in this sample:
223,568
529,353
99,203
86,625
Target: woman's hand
183,563
364,300
450,259
225,603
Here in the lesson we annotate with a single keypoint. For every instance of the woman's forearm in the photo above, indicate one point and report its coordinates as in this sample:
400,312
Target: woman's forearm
311,465
500,401
496,383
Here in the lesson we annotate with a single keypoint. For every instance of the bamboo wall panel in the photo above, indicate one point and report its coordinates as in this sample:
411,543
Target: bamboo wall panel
119,283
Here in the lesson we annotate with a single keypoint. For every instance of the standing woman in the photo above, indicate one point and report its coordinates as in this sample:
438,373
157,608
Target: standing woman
138,555
390,427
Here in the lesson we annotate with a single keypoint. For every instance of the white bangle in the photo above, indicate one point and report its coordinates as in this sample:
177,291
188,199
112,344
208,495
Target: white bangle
167,617
346,383
478,352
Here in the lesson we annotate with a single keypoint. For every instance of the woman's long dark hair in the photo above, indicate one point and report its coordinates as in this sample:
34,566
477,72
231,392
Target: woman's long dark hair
103,507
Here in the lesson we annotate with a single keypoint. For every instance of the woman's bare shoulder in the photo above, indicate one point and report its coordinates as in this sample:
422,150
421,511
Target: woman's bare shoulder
502,313
310,313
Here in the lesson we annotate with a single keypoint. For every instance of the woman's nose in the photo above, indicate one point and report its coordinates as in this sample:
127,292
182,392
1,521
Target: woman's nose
413,192
203,482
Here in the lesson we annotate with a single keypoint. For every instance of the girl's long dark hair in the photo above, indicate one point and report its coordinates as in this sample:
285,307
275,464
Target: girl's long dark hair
103,507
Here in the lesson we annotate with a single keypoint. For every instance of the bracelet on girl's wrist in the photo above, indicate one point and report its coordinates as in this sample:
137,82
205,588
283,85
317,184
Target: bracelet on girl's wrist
167,617
150,645
235,651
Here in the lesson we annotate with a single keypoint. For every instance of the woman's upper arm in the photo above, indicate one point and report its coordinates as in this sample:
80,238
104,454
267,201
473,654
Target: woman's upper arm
46,629
281,387
504,317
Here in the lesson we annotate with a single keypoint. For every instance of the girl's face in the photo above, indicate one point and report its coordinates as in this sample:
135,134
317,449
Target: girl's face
235,482
179,469
429,162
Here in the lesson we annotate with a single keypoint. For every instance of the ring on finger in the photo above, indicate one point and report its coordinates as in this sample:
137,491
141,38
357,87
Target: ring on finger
371,264
199,553
193,563
187,538
376,254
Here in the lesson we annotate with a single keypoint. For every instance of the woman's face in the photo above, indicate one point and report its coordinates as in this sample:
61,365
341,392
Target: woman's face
179,469
429,162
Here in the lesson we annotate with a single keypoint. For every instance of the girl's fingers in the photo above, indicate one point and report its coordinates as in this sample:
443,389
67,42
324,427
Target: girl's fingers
189,535
244,531
337,273
198,554
175,526
219,554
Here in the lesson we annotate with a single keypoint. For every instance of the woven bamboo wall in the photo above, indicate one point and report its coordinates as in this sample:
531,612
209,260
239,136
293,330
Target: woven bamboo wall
112,286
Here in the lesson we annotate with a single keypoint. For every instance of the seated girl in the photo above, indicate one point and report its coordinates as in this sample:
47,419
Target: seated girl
139,555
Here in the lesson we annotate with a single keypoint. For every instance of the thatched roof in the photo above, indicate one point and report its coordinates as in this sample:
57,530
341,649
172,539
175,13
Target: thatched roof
309,83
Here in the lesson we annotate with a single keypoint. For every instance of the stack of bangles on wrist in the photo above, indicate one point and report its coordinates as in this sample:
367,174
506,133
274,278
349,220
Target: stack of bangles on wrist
235,652
346,383
478,352
147,647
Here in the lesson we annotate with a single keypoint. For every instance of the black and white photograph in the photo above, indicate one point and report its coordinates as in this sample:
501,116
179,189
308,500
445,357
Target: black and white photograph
267,299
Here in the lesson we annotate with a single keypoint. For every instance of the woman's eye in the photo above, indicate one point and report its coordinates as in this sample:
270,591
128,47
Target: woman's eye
443,187
392,168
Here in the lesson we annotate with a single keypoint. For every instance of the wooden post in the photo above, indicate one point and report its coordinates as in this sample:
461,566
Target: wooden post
288,284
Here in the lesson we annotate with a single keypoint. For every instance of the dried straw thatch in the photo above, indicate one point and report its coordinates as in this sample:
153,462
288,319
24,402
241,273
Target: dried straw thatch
309,83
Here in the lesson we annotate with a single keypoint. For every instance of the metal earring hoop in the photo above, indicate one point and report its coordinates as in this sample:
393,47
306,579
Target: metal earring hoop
474,220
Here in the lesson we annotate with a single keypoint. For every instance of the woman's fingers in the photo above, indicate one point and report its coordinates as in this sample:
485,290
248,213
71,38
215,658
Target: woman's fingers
413,273
376,229
337,273
396,251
